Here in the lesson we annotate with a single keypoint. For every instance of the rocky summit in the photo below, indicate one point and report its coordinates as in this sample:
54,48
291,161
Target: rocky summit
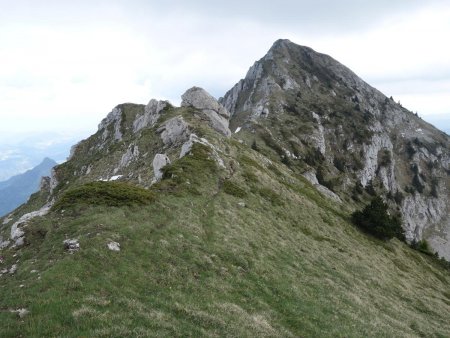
236,217
319,115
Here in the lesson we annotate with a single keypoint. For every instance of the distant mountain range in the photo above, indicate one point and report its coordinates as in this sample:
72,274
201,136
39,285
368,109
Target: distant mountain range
16,190
19,153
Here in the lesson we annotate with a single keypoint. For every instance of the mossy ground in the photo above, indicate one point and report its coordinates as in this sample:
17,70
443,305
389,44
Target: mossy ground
287,264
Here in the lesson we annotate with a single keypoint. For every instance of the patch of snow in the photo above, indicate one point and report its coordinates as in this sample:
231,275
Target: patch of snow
238,129
115,177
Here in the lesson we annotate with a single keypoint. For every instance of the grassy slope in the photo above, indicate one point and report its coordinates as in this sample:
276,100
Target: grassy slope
195,263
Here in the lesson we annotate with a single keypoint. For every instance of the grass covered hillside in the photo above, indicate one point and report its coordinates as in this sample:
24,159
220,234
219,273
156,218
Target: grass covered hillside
248,248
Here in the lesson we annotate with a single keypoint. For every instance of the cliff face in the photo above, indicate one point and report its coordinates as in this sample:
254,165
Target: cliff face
319,116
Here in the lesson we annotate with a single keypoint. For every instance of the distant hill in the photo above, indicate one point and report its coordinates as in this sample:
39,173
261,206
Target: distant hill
17,189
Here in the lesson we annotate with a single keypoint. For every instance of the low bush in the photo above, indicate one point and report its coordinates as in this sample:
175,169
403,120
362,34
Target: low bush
105,193
233,189
421,246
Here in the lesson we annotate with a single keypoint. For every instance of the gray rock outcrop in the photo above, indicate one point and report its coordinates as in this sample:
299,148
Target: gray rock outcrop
159,162
201,100
113,118
174,131
151,115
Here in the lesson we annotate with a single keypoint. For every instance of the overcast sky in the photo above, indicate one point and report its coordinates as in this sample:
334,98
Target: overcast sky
65,64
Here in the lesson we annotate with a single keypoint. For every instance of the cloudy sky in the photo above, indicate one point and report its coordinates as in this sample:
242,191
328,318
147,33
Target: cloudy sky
65,64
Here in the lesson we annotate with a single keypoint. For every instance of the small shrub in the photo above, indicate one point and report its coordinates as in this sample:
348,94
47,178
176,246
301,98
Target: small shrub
422,246
339,163
370,189
398,197
375,219
271,196
255,145
385,158
105,193
233,189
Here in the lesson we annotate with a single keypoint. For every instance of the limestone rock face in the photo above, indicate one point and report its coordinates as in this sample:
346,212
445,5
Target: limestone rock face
114,118
159,162
130,155
151,115
201,100
174,131
336,123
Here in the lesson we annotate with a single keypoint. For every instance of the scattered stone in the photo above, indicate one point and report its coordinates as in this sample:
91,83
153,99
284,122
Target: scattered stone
114,246
241,204
13,269
21,312
33,271
159,162
71,245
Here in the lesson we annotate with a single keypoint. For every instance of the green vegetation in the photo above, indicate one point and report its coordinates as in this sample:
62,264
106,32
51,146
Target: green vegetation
375,220
111,194
289,264
422,246
233,189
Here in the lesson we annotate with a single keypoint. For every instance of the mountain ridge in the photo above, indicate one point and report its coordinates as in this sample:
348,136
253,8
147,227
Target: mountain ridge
296,80
164,223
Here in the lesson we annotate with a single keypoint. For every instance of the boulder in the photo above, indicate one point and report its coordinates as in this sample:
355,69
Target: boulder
113,246
174,131
201,100
71,245
159,162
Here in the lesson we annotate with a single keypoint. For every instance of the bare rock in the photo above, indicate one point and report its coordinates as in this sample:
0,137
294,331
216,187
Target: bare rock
201,100
174,131
151,115
114,118
113,246
159,162
312,178
71,245
12,269
130,155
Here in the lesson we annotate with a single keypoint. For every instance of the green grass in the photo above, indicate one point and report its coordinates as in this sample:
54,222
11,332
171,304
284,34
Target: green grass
288,264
